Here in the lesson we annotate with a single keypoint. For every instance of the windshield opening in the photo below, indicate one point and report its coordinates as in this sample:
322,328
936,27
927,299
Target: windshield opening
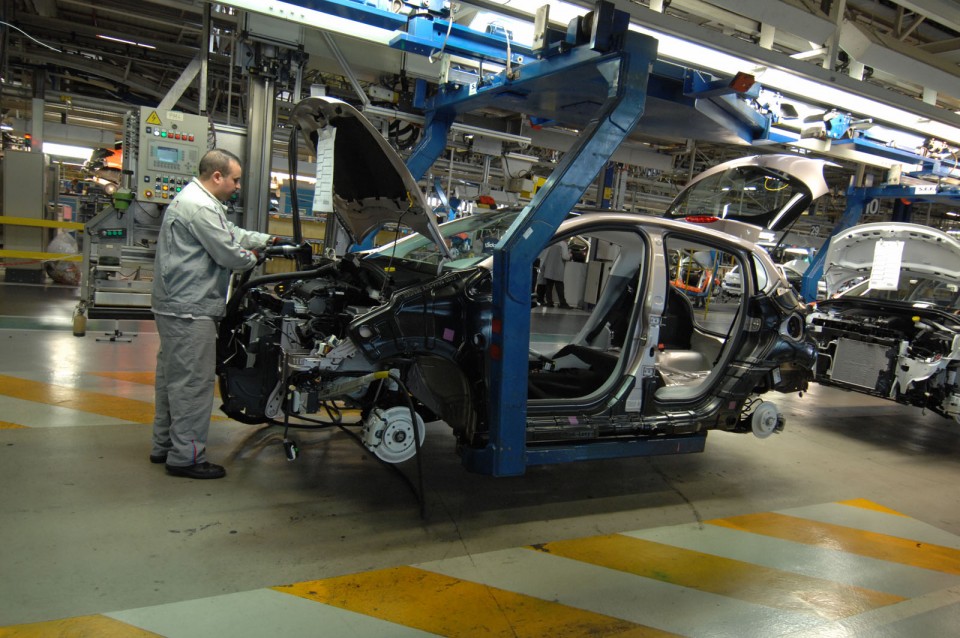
470,240
752,194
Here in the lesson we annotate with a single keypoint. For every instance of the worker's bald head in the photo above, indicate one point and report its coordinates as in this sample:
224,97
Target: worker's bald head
220,173
216,160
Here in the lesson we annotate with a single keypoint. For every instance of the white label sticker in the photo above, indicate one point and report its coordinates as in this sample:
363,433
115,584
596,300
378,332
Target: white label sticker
175,116
885,274
927,189
323,191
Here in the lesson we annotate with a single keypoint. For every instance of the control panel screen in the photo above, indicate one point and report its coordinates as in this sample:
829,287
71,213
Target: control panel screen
167,155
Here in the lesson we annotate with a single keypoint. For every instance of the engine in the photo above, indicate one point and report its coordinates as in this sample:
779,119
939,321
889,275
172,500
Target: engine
909,355
348,335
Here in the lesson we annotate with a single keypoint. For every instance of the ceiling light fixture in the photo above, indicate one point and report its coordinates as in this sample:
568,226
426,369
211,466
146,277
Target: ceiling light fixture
66,150
122,41
701,57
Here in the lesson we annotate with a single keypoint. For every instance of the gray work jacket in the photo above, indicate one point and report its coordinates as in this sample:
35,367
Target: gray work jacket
196,251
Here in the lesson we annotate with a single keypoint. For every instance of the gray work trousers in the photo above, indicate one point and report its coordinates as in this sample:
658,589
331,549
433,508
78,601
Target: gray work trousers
186,366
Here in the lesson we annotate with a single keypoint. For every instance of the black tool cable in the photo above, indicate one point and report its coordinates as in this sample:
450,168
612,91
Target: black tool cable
317,424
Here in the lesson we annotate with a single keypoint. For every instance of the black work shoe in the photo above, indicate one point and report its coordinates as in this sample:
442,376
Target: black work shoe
158,458
198,471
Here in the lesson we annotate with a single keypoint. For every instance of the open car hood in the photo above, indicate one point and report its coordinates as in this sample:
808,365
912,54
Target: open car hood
767,191
371,185
926,251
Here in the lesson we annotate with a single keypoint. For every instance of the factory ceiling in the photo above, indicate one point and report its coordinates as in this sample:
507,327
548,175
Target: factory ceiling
89,60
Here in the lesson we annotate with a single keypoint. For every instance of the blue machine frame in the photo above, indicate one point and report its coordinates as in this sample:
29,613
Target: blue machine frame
620,76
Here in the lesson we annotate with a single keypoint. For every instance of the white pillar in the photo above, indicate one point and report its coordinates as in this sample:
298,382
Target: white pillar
767,31
855,69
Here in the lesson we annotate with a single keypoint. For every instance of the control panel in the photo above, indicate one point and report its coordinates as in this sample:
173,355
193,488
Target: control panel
168,154
111,233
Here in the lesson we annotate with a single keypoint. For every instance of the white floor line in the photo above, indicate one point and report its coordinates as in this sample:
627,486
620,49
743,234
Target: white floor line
870,622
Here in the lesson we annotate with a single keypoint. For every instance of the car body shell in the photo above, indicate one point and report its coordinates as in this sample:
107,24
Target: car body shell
411,322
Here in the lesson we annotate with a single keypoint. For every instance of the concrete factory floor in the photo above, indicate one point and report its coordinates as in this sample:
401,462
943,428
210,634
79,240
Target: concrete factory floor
847,523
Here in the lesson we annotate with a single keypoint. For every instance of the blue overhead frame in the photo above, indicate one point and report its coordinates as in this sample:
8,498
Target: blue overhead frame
423,34
607,92
422,31
858,200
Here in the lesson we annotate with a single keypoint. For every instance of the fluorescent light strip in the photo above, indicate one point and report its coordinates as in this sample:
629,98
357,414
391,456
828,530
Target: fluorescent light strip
122,41
670,47
283,177
701,57
66,150
697,56
316,19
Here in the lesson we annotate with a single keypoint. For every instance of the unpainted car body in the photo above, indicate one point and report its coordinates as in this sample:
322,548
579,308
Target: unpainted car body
896,334
406,322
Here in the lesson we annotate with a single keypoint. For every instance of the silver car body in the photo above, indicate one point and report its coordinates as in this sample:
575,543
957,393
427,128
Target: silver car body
409,322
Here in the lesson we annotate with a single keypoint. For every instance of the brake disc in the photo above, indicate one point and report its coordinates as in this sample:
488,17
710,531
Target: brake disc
389,433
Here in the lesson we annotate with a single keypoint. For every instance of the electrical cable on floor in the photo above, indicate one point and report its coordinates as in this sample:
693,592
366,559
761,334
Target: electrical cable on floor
416,443
317,424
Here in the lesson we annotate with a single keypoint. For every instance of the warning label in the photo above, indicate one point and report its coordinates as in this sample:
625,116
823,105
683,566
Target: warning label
154,119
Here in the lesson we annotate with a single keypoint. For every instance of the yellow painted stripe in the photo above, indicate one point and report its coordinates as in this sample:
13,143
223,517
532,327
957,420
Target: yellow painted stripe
870,505
881,546
79,627
452,607
64,397
6,425
42,223
39,256
144,378
150,378
83,400
724,576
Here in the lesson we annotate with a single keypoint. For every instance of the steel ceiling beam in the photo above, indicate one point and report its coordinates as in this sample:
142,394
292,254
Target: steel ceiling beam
941,11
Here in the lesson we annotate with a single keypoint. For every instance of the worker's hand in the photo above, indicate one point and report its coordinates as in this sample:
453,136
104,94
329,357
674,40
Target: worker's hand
261,256
280,241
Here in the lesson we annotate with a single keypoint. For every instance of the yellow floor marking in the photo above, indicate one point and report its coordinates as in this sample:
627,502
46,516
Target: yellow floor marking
847,539
83,400
144,378
6,425
452,607
79,627
723,576
64,397
870,505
